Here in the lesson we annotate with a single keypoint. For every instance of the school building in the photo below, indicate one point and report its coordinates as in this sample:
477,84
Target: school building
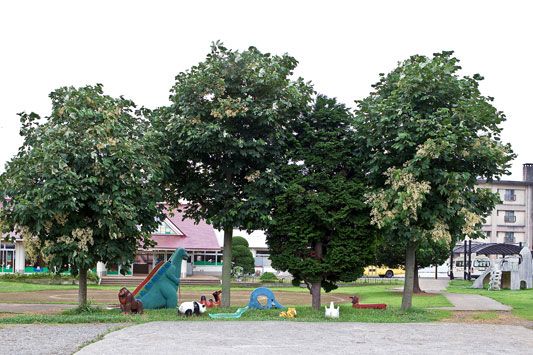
203,243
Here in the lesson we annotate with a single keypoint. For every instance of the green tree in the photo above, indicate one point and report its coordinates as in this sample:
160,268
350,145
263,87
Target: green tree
225,133
240,241
320,230
429,135
242,256
84,185
391,252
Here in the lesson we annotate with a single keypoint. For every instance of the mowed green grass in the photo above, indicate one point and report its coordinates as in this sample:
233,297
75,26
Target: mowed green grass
367,293
305,314
520,300
15,286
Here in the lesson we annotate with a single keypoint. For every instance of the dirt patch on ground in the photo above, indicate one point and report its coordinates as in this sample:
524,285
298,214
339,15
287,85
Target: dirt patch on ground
488,317
238,297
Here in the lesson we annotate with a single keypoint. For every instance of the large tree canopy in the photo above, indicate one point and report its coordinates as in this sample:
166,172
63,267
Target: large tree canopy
225,133
320,230
84,186
429,135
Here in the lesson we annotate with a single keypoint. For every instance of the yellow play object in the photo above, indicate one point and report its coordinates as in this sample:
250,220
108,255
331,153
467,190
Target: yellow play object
291,313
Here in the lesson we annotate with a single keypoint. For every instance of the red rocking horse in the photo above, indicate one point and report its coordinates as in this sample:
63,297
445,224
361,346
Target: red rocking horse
211,303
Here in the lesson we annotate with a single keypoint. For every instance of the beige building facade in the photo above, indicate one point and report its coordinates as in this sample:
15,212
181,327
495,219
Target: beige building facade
511,221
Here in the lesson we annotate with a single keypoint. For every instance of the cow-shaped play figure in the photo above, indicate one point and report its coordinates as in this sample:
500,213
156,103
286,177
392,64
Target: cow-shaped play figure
160,289
188,308
128,303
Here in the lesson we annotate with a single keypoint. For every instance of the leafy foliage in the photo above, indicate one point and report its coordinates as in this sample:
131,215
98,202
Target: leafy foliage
320,231
225,133
243,257
240,241
268,277
84,185
430,135
391,252
225,130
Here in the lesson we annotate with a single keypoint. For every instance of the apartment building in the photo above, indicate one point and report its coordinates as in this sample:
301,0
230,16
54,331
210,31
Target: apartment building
512,220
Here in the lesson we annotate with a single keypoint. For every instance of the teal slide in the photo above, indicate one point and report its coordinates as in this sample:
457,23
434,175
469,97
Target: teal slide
235,315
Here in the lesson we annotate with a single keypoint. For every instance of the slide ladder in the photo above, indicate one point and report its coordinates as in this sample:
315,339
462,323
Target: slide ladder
495,280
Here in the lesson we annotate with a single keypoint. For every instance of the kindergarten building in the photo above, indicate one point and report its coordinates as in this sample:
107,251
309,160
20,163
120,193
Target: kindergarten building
203,243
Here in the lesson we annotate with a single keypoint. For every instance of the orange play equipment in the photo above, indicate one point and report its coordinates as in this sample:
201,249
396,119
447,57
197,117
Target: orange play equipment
356,304
217,295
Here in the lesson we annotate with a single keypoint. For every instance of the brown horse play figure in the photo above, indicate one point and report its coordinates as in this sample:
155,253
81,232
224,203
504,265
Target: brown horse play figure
356,304
128,303
211,303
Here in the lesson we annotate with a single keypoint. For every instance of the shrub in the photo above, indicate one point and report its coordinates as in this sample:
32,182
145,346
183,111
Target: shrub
240,241
242,256
268,277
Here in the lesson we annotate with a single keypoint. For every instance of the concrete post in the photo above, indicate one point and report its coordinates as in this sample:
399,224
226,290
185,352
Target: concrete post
101,269
20,257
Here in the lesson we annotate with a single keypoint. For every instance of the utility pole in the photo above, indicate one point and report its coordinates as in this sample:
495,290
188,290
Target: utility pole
451,264
465,273
470,260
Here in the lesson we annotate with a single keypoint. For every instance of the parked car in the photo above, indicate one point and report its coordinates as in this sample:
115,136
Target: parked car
383,271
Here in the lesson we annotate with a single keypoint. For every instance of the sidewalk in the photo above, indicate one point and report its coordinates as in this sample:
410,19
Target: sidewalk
292,337
464,302
461,302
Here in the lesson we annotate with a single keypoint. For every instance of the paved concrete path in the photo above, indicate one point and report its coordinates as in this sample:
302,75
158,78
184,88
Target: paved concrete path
48,338
33,308
461,302
465,302
432,285
313,338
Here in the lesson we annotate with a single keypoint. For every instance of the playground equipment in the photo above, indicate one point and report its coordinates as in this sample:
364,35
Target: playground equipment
332,312
237,314
190,308
263,292
514,272
159,289
252,304
128,303
356,304
210,304
290,313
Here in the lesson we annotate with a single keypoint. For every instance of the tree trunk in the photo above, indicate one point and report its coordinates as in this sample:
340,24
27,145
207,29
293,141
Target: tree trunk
315,295
82,287
226,267
416,282
315,286
410,254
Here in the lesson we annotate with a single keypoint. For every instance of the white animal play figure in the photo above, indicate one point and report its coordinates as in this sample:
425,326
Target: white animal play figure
332,312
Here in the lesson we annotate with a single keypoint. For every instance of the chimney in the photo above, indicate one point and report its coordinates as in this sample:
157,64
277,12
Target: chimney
528,172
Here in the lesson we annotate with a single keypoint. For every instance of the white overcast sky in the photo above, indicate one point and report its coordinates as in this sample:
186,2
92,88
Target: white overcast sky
136,48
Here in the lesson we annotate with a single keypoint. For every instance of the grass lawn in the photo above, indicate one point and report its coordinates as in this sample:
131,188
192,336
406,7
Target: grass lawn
305,314
367,293
16,286
521,301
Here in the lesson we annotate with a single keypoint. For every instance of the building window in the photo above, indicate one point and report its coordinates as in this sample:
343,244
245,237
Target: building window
164,228
509,217
509,195
509,237
488,233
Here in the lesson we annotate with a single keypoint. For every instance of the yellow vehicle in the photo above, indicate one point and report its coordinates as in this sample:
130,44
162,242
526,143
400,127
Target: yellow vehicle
383,271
